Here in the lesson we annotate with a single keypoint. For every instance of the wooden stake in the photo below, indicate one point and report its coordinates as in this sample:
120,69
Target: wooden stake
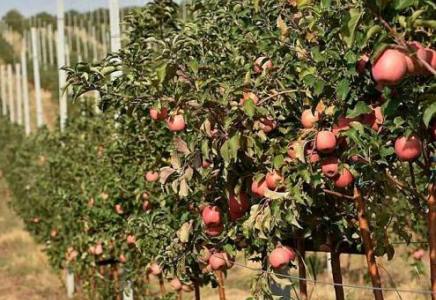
431,202
221,290
337,275
302,268
367,243
197,290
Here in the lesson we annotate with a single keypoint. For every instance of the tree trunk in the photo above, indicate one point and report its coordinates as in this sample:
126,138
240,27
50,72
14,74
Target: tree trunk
197,290
337,275
179,295
147,284
367,243
116,282
221,290
302,268
431,202
162,286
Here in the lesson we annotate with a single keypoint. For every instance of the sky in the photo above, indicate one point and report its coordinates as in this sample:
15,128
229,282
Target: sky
31,7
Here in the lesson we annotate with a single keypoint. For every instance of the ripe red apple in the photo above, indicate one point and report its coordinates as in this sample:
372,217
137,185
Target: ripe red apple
418,254
158,115
118,209
155,269
312,154
98,249
374,119
91,249
131,240
151,176
291,150
343,124
433,58
309,119
433,130
212,216
274,179
291,252
390,67
206,268
239,204
122,258
268,125
176,123
218,261
325,141
279,258
104,196
344,179
330,167
215,231
414,65
408,148
146,206
206,164
235,216
176,284
91,202
262,63
247,96
259,187
54,234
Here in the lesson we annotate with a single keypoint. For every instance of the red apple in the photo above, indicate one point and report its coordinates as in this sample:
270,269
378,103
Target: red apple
344,179
259,187
176,284
309,119
218,261
158,115
390,67
291,150
414,65
212,216
176,123
374,119
330,167
239,204
408,148
418,254
235,216
151,176
204,255
247,96
119,209
343,124
146,206
312,154
268,125
54,234
279,258
206,164
91,202
155,269
98,249
215,231
433,58
274,179
187,288
325,141
131,240
291,252
362,63
122,258
262,63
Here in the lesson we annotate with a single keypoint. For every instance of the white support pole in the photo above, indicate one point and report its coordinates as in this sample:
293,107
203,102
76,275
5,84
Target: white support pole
18,92
94,44
61,63
3,89
184,12
44,46
114,15
11,94
37,79
77,35
25,89
128,291
85,40
50,44
70,283
104,38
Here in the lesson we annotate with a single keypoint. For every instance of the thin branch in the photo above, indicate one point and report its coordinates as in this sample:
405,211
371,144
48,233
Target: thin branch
276,94
403,186
339,195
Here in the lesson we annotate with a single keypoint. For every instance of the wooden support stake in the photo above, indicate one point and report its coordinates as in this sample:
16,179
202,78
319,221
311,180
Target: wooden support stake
367,243
337,275
431,203
302,268
221,290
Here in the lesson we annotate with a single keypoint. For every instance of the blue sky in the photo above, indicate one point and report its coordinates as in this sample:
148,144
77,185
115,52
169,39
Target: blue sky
31,7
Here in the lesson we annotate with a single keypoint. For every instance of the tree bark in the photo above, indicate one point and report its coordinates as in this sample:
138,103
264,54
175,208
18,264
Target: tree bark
221,290
431,202
162,286
337,275
197,290
367,243
302,268
179,295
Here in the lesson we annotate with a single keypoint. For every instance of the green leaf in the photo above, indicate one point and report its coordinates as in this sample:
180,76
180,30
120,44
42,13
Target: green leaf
351,21
359,109
429,113
402,4
318,87
193,64
278,161
249,107
382,3
372,31
161,72
342,89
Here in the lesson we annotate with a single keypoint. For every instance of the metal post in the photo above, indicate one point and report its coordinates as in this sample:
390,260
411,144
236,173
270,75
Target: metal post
114,15
3,89
50,44
37,79
44,46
